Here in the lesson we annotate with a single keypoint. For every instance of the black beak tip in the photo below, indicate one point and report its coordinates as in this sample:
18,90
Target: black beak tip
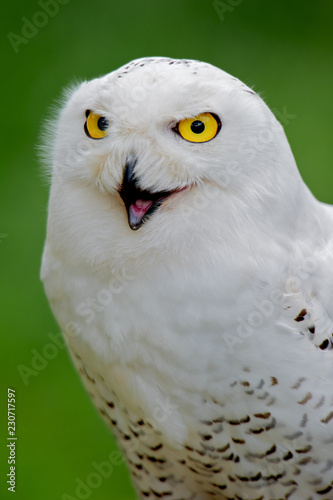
134,225
135,228
130,192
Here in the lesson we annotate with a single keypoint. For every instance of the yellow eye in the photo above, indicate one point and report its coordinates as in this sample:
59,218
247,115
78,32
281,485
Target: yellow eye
201,128
96,125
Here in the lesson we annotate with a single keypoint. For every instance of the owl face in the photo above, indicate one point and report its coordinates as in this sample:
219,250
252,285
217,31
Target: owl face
133,148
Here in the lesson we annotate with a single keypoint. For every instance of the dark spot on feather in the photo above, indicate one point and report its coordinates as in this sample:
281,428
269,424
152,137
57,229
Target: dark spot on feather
156,460
306,398
207,422
324,344
86,374
241,421
263,396
155,448
257,431
324,491
209,466
223,449
238,441
219,486
300,316
304,450
298,383
304,420
288,456
304,461
261,383
274,478
328,418
263,415
160,495
320,402
271,450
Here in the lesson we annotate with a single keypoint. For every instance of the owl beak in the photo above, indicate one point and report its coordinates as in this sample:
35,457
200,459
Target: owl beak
139,203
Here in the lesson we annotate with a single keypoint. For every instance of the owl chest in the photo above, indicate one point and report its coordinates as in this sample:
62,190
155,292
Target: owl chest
182,402
171,334
200,443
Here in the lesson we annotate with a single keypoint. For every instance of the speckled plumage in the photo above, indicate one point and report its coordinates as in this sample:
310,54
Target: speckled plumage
205,336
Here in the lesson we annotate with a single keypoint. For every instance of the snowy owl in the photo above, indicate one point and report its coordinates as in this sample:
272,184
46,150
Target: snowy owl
191,270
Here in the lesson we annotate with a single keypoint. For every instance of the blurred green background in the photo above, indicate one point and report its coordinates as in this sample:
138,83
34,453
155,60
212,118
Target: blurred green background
284,49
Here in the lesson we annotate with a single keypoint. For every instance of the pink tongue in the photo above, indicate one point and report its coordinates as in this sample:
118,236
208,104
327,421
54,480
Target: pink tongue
140,207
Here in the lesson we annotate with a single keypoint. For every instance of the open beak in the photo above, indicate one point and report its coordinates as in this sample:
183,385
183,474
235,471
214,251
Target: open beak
139,203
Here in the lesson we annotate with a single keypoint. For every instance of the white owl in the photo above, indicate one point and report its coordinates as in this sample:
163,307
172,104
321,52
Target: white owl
191,271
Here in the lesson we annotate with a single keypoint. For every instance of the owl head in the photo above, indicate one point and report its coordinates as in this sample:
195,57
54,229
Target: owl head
161,154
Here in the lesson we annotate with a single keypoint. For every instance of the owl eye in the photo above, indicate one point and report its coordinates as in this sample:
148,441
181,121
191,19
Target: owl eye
96,125
201,128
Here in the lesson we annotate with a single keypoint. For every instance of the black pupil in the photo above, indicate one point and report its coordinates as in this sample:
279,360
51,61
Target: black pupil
197,127
102,123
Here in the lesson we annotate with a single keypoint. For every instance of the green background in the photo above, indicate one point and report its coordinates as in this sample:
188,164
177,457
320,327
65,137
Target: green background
284,49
